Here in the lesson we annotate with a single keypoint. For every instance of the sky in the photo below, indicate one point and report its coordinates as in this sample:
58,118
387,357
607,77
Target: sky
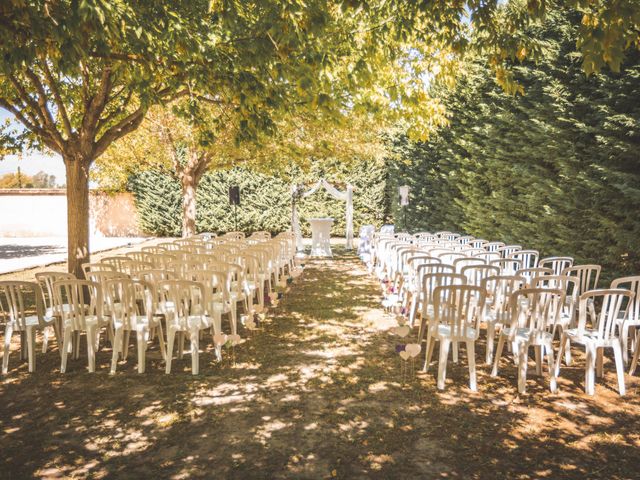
33,162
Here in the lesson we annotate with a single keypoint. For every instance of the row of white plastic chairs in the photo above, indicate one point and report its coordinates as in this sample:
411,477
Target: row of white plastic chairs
459,286
180,288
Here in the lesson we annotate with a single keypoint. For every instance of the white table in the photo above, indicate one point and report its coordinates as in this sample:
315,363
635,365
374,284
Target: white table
321,237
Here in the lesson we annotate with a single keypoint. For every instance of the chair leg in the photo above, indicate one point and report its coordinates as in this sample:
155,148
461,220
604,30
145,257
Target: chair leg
455,352
617,353
491,334
553,384
523,361
31,349
564,341
46,332
8,331
589,383
496,359
66,343
431,342
23,346
624,342
142,334
442,362
636,354
195,354
471,358
125,344
117,345
163,349
91,347
538,353
599,361
171,333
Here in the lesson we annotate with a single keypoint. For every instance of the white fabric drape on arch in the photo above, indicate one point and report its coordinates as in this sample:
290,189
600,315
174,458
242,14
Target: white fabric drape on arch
346,196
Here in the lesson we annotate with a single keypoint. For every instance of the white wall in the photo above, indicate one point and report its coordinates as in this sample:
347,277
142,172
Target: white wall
43,213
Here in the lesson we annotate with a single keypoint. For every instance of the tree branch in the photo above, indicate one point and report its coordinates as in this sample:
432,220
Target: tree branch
120,129
42,103
37,129
56,95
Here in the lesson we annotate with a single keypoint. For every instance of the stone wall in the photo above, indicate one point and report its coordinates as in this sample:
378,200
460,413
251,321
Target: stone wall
31,212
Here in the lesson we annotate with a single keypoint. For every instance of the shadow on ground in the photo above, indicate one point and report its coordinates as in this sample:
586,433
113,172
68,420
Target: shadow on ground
316,394
19,251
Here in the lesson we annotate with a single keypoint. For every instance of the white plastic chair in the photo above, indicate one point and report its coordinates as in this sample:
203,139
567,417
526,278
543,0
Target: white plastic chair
508,266
598,313
477,273
457,315
132,309
183,304
630,319
497,313
533,310
83,313
15,300
533,273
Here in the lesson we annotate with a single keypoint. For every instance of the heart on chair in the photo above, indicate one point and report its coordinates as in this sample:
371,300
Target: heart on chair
234,339
413,349
401,320
405,355
250,324
402,331
220,339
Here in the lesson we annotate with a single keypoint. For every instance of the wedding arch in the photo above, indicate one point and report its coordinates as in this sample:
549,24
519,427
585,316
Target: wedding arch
298,192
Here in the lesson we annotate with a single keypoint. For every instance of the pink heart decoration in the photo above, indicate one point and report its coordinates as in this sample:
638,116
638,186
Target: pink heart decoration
413,349
404,355
220,339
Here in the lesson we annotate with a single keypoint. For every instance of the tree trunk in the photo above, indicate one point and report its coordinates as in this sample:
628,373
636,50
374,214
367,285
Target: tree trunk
189,185
77,213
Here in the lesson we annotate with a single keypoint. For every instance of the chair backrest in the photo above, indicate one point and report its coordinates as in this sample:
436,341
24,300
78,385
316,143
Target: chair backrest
478,243
508,266
601,309
139,256
536,308
633,306
493,247
465,239
97,267
17,298
162,259
75,300
47,279
532,273
486,257
529,258
588,276
155,275
499,289
180,299
128,299
462,262
169,246
433,280
557,264
450,257
477,273
460,307
102,278
569,285
154,249
214,281
507,250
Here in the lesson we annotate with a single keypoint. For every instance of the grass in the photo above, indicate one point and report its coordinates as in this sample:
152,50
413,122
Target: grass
317,393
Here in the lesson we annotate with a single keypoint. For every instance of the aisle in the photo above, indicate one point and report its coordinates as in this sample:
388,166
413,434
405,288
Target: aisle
316,394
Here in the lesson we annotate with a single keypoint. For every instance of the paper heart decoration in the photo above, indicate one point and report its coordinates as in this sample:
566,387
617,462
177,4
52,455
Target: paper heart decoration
220,339
234,339
401,320
413,349
250,324
402,331
404,355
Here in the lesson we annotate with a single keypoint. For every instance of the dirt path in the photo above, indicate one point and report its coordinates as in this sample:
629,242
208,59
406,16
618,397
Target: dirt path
316,394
